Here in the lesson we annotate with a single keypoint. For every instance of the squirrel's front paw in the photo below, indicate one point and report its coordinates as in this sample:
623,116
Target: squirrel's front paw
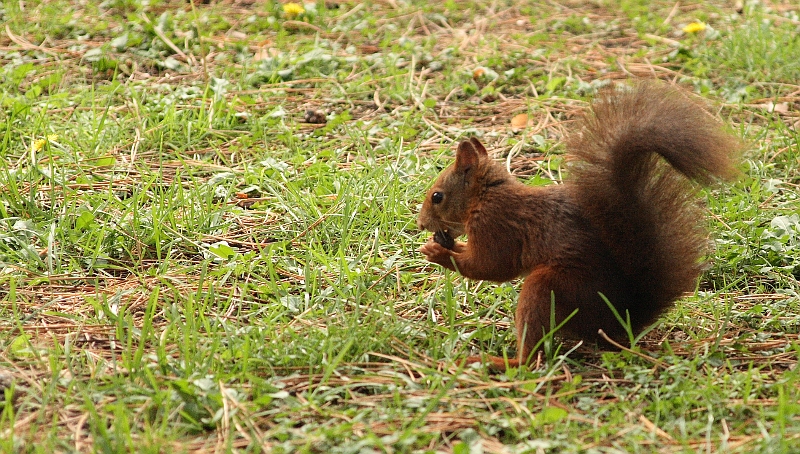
436,253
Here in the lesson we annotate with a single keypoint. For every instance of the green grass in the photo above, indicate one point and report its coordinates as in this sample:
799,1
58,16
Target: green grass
186,265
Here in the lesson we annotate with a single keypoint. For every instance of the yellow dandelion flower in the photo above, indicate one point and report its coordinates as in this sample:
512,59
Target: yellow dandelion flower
38,144
293,9
694,27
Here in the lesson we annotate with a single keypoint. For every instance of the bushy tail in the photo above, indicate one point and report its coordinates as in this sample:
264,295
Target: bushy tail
634,159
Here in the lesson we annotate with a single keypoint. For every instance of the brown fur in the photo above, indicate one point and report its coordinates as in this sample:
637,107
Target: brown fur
625,223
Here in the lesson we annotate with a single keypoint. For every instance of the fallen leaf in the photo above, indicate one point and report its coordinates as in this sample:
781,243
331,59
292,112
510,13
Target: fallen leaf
519,121
369,49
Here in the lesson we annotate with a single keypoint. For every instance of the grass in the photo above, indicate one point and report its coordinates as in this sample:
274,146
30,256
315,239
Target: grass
186,265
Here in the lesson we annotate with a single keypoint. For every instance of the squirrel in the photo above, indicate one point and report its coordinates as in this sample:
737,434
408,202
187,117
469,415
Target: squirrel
625,223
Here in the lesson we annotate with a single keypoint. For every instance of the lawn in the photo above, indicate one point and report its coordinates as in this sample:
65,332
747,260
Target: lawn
208,238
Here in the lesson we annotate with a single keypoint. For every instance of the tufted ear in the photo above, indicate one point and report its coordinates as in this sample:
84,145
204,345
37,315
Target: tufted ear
468,154
478,146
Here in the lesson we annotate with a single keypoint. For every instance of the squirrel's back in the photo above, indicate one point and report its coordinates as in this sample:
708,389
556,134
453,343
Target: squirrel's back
634,162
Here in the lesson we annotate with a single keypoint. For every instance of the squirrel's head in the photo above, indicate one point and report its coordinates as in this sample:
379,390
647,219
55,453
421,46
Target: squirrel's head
447,201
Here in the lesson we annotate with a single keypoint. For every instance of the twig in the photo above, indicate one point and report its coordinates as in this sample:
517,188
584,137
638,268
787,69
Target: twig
605,337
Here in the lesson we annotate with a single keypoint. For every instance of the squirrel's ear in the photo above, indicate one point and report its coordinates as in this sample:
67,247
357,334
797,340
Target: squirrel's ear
468,155
478,146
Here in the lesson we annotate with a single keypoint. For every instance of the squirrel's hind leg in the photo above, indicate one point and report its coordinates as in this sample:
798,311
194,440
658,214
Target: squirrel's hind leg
553,289
533,312
532,320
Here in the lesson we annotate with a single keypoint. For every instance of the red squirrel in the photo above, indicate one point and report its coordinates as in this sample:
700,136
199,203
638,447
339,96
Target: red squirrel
625,223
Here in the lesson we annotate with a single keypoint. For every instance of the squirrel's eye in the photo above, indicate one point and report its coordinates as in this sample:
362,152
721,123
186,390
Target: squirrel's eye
437,197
